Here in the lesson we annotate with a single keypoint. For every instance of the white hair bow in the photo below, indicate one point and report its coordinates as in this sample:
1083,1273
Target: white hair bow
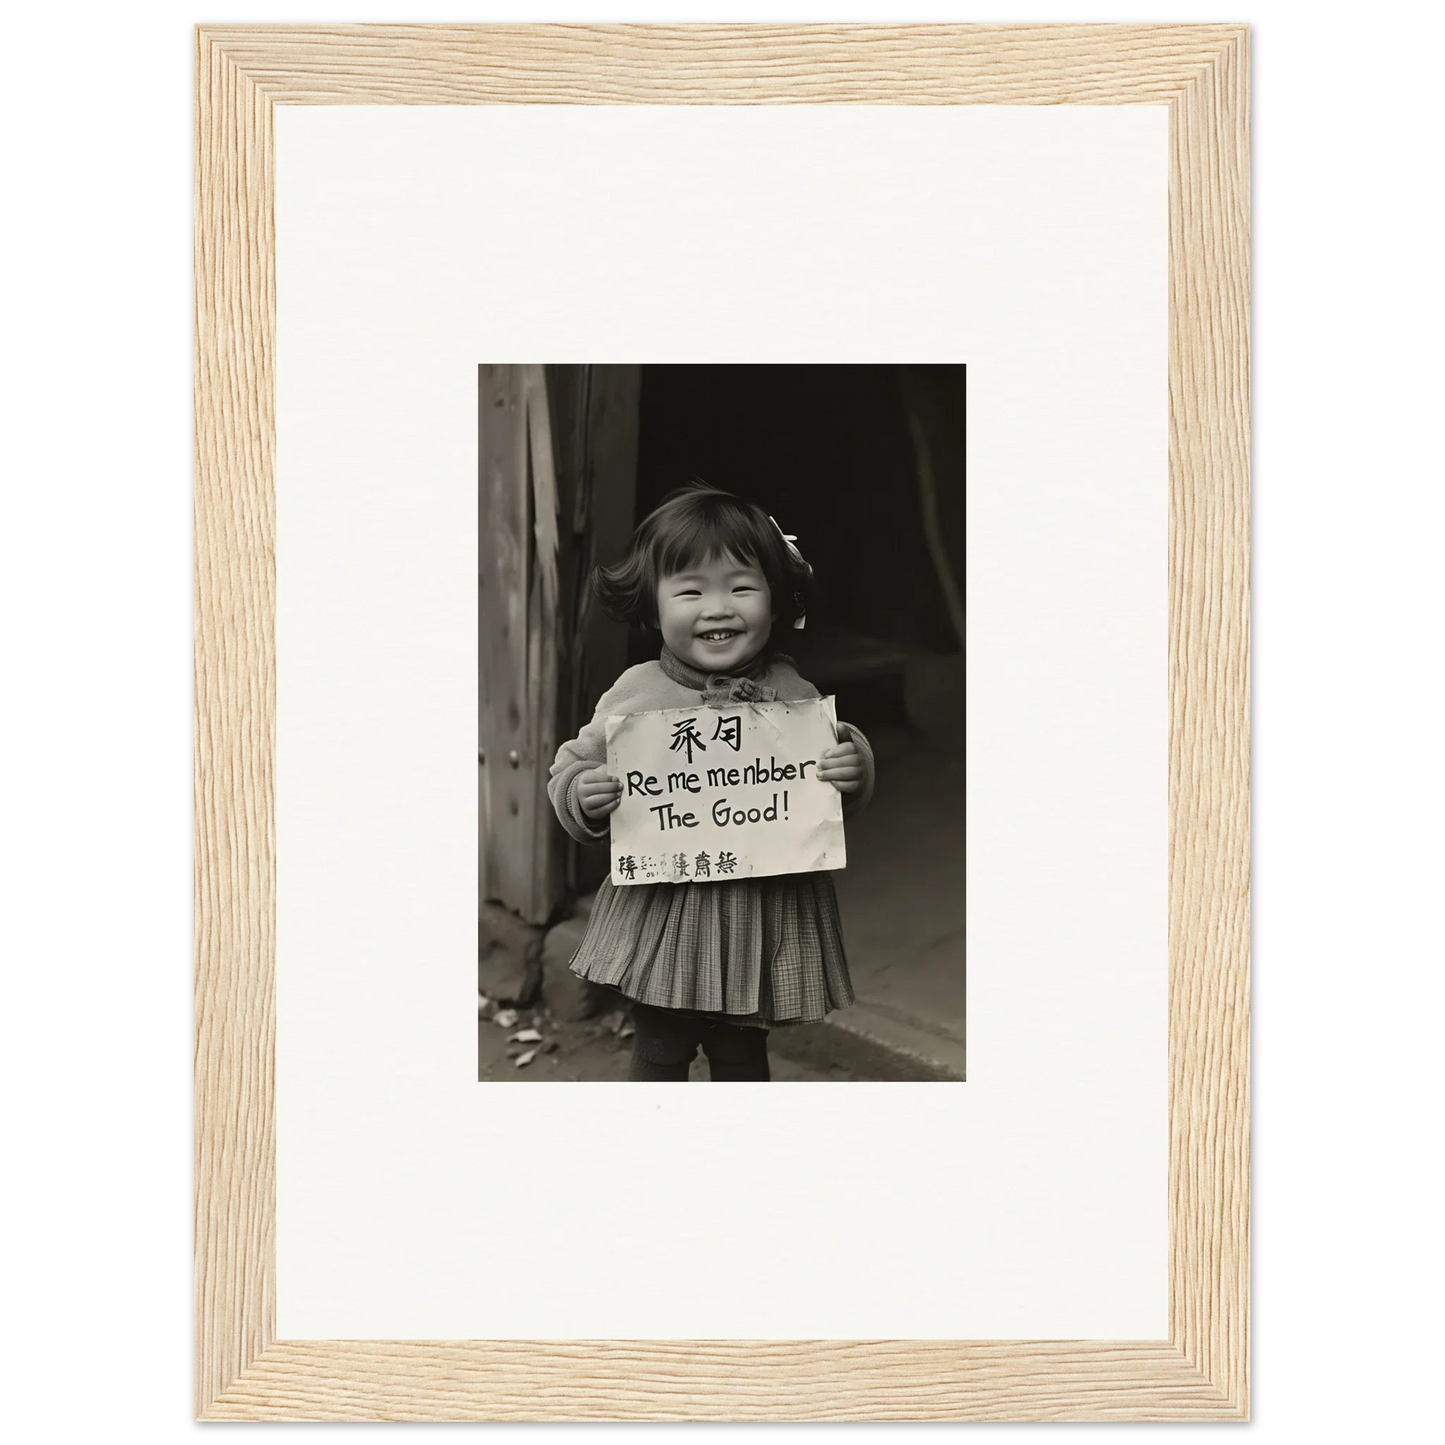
790,540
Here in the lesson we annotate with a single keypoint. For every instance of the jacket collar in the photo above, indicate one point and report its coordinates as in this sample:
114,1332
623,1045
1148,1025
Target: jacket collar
746,684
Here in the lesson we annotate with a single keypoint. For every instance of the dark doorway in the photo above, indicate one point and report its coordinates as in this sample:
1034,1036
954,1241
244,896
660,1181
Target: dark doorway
827,450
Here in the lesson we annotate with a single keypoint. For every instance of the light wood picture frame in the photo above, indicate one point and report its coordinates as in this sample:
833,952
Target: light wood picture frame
1201,1371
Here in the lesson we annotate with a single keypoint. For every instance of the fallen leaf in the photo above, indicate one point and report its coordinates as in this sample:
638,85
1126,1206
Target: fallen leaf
505,1018
526,1058
525,1036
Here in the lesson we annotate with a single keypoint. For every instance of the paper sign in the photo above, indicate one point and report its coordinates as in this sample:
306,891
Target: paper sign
726,792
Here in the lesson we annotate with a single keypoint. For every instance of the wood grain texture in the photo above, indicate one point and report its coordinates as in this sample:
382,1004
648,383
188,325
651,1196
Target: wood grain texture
1201,1371
723,64
504,566
720,1380
545,646
235,610
1209,720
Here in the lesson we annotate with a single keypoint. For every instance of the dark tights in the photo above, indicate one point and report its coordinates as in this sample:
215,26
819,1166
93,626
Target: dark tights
666,1042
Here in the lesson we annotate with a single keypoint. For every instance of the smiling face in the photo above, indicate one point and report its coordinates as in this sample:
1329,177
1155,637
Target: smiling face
716,615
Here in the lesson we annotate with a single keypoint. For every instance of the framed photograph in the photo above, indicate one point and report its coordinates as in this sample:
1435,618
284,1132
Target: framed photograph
722,556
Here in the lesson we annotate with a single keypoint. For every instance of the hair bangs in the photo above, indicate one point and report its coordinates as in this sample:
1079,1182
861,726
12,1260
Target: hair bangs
716,529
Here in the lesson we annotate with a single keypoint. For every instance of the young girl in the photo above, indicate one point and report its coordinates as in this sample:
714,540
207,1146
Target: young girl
712,963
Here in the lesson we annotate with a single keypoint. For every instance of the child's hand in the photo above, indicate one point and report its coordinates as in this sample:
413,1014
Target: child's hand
599,793
842,766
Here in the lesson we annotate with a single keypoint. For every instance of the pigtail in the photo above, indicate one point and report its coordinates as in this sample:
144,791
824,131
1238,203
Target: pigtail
626,591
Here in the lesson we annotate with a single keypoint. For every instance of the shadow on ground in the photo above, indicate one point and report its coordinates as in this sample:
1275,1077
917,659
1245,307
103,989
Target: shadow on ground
597,1050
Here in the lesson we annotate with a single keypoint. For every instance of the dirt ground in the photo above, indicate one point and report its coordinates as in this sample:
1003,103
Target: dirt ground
597,1051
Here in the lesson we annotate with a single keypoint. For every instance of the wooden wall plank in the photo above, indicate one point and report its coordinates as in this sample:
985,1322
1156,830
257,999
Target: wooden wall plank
504,586
547,648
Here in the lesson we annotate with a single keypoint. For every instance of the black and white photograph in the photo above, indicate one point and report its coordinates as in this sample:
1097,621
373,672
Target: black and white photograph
722,723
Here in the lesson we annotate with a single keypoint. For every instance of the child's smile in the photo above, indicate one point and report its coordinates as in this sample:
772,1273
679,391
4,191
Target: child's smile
716,615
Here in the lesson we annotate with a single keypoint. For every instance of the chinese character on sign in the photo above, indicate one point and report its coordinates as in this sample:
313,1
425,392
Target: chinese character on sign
685,735
627,867
679,864
726,863
730,730
702,867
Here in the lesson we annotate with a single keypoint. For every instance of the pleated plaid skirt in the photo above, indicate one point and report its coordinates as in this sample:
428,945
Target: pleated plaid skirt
754,950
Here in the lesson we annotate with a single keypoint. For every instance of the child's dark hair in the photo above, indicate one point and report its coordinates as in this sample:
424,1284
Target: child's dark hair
693,524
